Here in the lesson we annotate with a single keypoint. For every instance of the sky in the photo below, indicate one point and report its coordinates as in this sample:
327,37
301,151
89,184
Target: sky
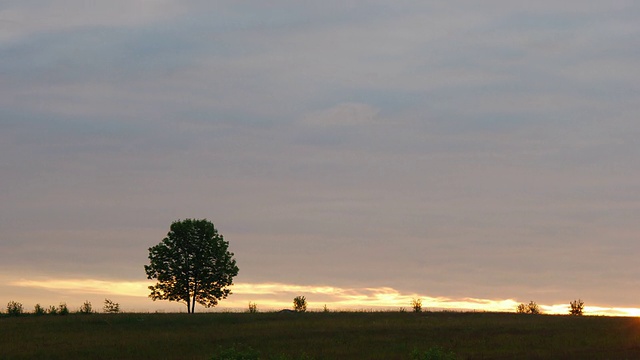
361,153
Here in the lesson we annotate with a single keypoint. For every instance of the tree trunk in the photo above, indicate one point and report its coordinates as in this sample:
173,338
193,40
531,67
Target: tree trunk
193,303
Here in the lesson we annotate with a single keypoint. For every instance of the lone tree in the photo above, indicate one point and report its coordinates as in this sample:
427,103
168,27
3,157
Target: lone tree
192,264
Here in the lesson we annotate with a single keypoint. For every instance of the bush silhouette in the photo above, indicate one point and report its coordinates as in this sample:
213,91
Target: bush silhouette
111,307
39,310
576,307
86,308
14,308
300,304
531,308
253,308
63,309
416,304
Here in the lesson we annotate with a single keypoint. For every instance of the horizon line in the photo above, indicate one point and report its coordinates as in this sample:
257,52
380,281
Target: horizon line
271,295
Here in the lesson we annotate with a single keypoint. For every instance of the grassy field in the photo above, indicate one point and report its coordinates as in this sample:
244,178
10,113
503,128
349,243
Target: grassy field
353,335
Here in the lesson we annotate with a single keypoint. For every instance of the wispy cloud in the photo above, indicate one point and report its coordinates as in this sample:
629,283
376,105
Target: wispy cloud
90,286
19,19
346,114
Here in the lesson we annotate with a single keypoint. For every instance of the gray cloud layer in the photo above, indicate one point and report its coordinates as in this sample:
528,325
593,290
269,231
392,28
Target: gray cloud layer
461,149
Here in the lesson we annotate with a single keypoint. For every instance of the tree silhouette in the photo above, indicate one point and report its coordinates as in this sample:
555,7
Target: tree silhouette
192,264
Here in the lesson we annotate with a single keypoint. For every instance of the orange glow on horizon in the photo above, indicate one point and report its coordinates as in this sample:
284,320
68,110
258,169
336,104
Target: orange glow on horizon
274,296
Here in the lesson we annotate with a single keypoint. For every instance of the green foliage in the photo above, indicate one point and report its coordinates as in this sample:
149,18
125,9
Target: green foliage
433,353
576,307
236,352
14,308
192,264
300,304
416,304
111,307
531,308
63,309
253,307
39,310
52,310
86,308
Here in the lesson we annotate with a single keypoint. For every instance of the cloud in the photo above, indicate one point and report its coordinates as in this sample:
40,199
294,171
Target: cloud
88,286
468,148
20,19
345,114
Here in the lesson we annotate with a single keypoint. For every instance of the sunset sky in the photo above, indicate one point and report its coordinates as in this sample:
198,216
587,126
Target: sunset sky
361,153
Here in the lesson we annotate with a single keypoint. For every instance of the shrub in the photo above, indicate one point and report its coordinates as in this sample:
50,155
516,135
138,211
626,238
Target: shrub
86,308
300,304
576,307
63,309
531,308
52,310
534,308
416,304
253,307
111,307
39,310
325,308
14,308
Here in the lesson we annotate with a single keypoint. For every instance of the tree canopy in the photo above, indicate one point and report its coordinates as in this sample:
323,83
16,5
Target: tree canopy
192,264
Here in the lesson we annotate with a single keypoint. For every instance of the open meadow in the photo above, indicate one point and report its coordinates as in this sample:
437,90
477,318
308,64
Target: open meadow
332,335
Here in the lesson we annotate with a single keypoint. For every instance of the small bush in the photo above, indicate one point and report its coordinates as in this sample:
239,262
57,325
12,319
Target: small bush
531,308
86,308
237,353
416,304
433,353
111,307
576,307
63,309
39,310
14,308
52,310
325,309
300,304
253,307
534,308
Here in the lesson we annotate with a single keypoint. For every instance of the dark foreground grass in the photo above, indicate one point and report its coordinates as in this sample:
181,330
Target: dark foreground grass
359,335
